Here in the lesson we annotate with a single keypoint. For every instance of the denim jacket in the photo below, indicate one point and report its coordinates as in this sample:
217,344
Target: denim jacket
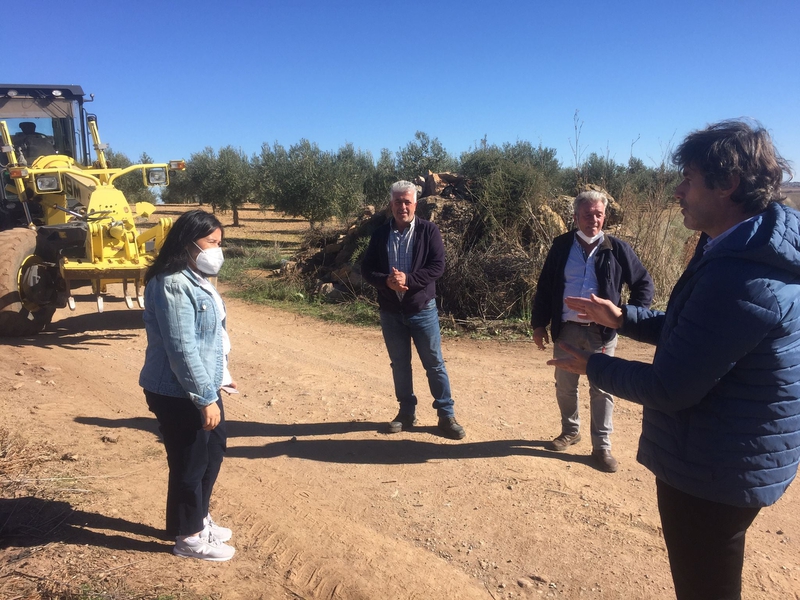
184,356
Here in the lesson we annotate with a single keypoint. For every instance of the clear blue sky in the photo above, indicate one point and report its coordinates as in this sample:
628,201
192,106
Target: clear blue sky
170,78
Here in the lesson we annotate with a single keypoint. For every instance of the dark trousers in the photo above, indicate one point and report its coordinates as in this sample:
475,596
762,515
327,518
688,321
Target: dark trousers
194,457
705,542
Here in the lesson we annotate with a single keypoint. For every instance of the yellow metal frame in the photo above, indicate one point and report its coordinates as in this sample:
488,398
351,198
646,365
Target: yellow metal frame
116,252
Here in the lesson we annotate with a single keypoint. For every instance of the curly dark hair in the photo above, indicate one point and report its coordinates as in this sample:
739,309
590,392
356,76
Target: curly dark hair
174,254
736,148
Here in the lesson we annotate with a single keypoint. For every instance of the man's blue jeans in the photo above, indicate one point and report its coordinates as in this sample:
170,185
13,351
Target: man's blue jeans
423,328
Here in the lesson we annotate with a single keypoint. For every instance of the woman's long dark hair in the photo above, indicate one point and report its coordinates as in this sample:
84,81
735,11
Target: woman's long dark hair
174,254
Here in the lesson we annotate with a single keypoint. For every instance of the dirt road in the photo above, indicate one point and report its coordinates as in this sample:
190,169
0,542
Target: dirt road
324,505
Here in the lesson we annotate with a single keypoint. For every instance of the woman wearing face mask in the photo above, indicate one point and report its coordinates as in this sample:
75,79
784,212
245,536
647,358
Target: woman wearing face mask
185,367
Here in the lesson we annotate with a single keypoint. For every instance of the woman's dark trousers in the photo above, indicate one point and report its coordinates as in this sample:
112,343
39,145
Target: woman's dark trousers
194,457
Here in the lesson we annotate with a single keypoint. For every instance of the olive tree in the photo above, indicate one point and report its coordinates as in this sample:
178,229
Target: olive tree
307,182
130,184
424,154
234,180
225,180
380,178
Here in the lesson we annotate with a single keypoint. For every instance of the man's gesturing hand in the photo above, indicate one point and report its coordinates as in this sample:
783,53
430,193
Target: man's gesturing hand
601,311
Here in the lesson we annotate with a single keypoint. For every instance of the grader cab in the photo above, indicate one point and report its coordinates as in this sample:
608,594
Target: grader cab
63,223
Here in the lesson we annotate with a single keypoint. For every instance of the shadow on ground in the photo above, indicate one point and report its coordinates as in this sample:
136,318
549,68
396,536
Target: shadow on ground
31,521
392,451
384,449
81,331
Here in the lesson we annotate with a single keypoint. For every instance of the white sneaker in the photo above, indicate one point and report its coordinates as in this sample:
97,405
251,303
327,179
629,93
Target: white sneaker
223,534
204,546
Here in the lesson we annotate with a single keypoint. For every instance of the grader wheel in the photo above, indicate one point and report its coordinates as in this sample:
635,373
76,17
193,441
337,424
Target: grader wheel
17,247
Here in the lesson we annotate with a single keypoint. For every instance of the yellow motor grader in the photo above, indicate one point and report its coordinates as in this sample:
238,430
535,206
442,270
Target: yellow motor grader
63,223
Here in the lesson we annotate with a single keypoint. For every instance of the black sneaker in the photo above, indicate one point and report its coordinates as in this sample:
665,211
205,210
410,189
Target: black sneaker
402,422
451,428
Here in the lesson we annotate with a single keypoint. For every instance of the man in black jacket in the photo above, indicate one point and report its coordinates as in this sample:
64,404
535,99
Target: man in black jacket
404,259
581,263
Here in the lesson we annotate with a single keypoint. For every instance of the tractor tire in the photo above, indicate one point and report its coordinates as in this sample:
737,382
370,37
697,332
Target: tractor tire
16,246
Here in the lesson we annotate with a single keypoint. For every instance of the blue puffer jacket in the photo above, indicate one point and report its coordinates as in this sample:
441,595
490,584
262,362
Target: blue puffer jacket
721,400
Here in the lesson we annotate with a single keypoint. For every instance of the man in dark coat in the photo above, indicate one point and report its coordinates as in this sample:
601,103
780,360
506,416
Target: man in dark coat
404,259
721,418
583,262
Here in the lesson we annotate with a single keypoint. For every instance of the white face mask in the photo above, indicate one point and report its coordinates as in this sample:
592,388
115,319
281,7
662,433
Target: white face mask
587,239
209,261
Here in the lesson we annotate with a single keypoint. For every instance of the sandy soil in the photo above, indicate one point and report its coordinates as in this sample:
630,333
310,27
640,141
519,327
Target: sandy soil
322,503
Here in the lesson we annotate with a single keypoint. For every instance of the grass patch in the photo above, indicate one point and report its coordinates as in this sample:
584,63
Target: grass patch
291,296
61,590
250,271
18,458
508,330
239,258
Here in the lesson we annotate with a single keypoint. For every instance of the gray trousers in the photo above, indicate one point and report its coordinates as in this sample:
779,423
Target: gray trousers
601,404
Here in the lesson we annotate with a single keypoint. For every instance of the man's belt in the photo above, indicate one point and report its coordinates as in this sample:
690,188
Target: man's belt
582,324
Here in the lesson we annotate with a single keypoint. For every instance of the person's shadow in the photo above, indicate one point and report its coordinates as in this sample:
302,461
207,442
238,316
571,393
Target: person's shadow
302,440
82,332
31,521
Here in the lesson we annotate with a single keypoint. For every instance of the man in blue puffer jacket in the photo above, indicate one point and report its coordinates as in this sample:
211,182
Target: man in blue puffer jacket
721,419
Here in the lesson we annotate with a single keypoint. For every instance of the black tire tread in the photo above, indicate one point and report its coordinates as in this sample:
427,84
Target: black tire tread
15,246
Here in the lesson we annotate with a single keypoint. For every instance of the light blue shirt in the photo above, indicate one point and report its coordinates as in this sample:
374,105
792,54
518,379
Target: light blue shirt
580,278
714,241
400,246
227,379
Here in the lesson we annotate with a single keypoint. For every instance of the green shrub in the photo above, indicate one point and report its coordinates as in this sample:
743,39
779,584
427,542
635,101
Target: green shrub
361,248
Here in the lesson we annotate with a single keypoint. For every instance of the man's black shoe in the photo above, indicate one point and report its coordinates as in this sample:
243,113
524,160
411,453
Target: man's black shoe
604,461
402,422
450,428
564,441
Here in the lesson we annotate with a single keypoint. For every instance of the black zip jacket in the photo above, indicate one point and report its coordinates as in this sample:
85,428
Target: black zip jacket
615,263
